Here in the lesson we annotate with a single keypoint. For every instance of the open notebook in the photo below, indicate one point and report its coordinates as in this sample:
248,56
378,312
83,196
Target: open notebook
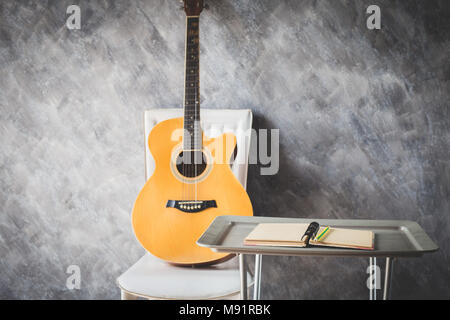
290,235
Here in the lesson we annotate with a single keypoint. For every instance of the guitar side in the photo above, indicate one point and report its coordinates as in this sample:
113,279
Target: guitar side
170,233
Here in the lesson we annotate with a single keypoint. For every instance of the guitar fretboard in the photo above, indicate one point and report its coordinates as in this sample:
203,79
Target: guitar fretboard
193,133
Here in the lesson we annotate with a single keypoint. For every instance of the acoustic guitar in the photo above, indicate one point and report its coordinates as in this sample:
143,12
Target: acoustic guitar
192,183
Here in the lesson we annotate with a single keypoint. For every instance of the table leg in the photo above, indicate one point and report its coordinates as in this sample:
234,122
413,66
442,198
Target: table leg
373,278
257,285
388,278
243,273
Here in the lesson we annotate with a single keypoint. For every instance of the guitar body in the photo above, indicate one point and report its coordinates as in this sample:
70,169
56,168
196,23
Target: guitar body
170,233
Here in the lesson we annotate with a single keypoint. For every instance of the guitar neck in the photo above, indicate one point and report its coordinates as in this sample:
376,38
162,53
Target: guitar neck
193,134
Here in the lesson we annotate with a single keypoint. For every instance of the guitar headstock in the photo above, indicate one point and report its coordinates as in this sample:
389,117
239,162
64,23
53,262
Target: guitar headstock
193,7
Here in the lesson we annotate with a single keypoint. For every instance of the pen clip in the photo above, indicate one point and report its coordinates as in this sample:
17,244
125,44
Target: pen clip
311,232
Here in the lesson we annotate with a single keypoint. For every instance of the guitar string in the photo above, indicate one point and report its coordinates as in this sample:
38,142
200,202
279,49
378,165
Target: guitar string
195,54
197,92
184,196
190,169
191,133
197,114
194,124
183,153
197,105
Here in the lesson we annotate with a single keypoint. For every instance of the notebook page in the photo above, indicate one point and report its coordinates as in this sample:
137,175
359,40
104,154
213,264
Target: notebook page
277,232
346,238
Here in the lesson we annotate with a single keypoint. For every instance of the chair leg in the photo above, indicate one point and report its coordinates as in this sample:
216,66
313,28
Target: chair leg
127,296
388,278
373,278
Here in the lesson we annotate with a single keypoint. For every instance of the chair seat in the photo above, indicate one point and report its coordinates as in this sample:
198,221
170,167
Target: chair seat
153,278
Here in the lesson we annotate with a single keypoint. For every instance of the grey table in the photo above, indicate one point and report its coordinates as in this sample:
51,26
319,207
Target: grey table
393,239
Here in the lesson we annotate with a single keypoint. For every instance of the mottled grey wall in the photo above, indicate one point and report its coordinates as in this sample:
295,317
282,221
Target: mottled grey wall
363,117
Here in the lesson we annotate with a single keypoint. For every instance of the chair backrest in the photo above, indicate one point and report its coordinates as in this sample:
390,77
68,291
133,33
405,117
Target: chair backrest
214,122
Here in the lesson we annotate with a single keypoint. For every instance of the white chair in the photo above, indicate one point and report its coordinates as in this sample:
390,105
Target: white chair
152,278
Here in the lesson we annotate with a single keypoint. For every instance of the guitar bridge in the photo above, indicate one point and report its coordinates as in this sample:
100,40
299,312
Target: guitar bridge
191,206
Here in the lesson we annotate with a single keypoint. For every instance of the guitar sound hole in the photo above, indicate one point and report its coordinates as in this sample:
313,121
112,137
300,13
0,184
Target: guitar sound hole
191,164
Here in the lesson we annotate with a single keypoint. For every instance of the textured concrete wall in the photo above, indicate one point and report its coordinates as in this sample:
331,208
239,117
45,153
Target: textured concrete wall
363,117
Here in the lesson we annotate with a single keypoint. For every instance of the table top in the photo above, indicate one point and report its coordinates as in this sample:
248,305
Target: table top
393,238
